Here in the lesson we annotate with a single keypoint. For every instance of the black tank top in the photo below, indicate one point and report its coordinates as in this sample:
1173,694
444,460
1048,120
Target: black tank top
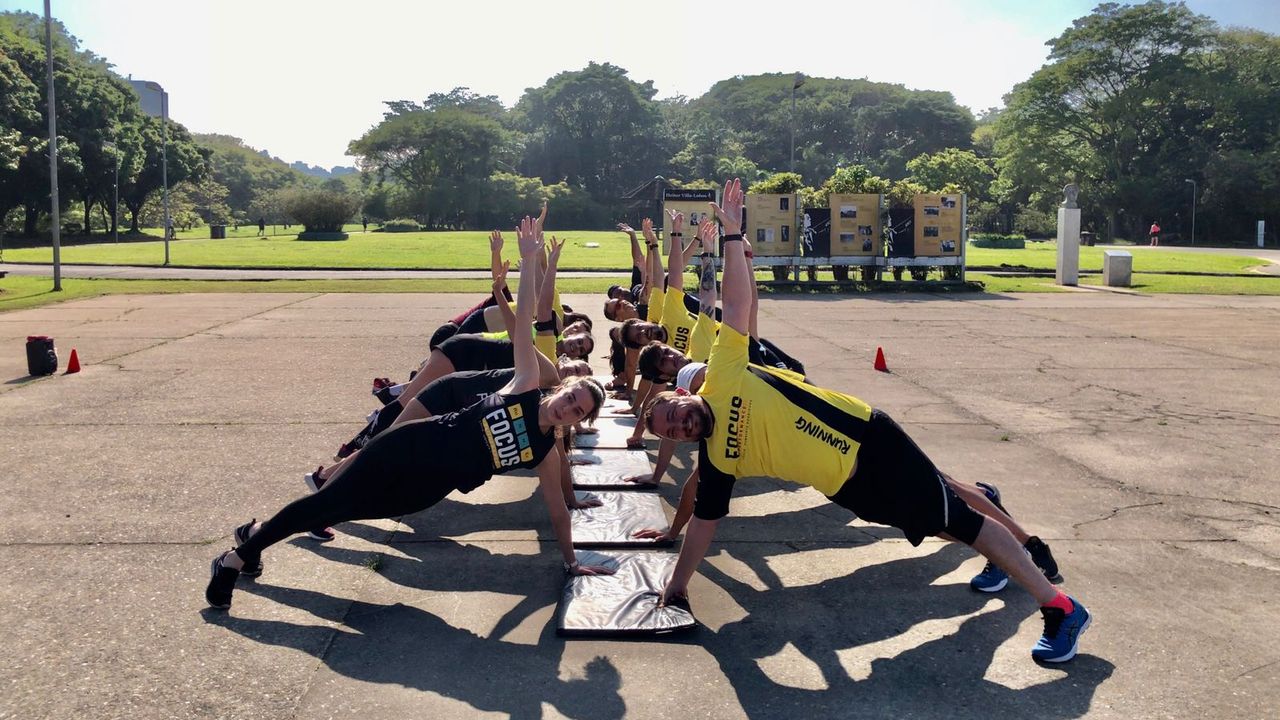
498,434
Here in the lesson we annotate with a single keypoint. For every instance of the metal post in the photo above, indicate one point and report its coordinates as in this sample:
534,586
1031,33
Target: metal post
1193,210
164,167
793,129
115,223
53,153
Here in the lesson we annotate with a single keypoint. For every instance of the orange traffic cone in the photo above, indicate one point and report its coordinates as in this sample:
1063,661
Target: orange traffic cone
73,365
880,365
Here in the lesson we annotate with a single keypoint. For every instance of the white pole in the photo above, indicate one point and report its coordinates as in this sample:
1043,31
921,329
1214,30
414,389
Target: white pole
1262,230
164,167
53,153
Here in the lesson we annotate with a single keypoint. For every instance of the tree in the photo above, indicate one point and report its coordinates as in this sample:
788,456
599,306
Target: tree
319,211
956,169
443,157
185,161
595,128
1120,90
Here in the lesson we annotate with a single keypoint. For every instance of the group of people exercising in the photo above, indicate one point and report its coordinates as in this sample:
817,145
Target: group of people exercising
499,386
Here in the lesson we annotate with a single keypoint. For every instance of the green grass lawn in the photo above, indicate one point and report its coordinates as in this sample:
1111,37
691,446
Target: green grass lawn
422,250
19,292
470,250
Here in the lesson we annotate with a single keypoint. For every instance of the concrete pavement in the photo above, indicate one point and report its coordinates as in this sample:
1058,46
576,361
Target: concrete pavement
1136,434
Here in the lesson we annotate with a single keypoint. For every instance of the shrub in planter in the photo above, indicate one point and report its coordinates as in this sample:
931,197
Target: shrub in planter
401,225
321,212
996,240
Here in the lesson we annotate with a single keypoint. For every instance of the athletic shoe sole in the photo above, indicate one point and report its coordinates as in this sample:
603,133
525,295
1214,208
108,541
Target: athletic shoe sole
310,480
322,537
992,588
1075,646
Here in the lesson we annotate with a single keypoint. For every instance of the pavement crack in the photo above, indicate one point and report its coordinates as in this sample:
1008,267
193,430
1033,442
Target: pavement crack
1116,512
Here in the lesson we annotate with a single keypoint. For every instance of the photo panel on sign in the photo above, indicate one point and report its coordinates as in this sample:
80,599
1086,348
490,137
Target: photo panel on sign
694,204
855,224
939,222
770,222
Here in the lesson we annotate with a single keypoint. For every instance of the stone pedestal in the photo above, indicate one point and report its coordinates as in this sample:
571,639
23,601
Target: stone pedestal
1117,268
1068,272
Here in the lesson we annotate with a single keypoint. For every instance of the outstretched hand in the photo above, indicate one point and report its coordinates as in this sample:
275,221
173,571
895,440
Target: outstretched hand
530,238
730,212
542,217
708,233
652,534
554,248
647,228
593,570
677,221
500,276
495,241
626,228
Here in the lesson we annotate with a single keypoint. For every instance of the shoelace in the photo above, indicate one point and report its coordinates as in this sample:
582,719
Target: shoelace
1053,618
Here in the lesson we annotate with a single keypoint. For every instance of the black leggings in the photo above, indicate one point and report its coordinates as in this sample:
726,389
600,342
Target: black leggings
391,477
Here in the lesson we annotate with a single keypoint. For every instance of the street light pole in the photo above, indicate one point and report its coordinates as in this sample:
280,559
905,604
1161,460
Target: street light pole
53,153
115,205
796,82
1193,209
164,168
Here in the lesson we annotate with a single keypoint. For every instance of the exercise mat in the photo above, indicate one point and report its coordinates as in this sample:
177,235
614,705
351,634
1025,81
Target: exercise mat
607,469
619,516
610,433
622,604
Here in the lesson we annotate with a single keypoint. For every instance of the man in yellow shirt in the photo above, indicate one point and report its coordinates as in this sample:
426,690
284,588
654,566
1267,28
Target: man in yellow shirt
756,421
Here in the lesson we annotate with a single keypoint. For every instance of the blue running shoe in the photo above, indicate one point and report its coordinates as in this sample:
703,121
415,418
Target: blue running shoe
1062,633
991,579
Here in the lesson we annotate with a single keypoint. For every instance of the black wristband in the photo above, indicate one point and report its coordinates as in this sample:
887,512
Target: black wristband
707,255
736,237
545,325
653,245
676,234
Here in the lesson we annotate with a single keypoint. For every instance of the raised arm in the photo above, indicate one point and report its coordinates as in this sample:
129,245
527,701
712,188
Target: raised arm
755,292
736,286
526,356
637,255
546,300
707,237
675,257
654,277
495,255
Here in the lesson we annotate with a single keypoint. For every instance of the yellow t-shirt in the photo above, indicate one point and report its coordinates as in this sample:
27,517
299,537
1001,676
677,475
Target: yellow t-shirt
677,321
656,301
704,338
544,342
766,422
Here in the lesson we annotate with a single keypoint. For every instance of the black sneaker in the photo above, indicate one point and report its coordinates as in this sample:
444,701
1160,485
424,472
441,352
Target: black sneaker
324,534
1043,558
250,569
222,580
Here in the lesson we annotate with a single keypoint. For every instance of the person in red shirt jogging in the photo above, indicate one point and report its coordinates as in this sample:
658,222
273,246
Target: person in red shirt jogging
1155,234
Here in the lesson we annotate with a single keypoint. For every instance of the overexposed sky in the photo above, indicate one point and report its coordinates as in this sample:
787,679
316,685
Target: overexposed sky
302,78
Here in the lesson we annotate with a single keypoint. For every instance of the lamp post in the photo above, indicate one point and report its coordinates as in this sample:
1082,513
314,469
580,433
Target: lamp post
115,186
53,154
797,81
1193,209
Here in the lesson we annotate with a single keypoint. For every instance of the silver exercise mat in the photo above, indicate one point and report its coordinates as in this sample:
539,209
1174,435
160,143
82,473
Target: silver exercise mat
625,603
608,469
619,516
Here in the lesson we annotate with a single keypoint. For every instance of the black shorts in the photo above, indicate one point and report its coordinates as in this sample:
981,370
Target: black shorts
473,352
442,333
896,484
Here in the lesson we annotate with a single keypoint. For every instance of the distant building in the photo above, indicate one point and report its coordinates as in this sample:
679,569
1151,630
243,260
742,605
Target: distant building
152,98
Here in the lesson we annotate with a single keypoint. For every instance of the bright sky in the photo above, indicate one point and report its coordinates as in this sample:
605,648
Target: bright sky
302,78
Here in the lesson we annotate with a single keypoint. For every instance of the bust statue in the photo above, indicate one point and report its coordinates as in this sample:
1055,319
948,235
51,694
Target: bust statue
1071,192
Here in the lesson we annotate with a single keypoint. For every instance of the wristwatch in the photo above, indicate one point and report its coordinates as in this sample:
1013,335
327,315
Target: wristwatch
569,567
